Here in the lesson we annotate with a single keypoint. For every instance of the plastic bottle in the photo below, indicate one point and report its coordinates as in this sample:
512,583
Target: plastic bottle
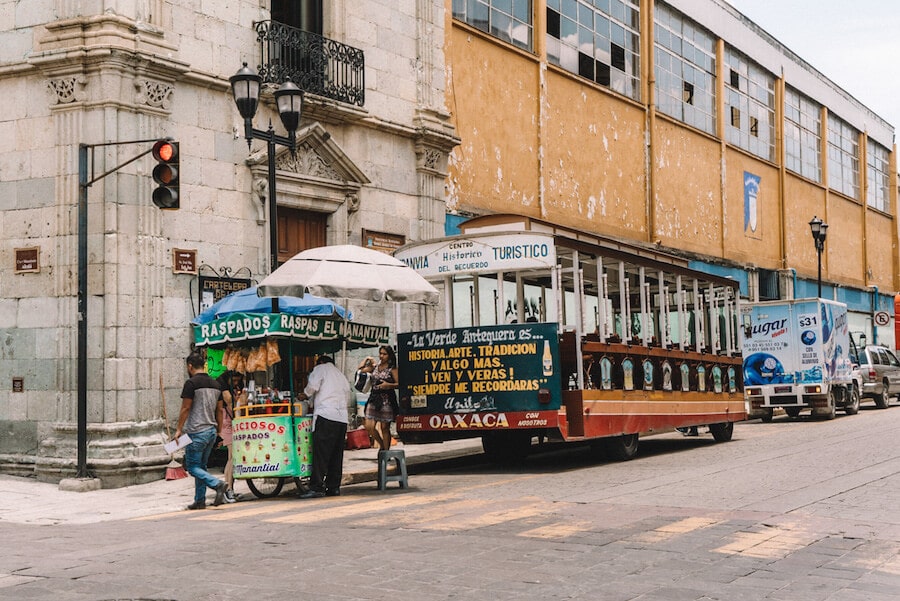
547,359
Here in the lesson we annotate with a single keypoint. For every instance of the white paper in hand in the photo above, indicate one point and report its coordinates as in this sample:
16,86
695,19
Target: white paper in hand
174,445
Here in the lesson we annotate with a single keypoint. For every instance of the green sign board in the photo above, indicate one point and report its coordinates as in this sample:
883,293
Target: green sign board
238,327
476,369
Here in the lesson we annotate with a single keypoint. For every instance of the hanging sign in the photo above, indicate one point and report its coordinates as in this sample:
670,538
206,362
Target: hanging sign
480,254
237,327
214,289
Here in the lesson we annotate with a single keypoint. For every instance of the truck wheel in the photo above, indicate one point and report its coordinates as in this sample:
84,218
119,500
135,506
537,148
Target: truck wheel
829,412
852,408
767,416
792,411
622,448
884,399
722,432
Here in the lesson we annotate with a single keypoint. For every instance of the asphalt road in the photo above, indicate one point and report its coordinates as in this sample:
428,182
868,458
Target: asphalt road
794,510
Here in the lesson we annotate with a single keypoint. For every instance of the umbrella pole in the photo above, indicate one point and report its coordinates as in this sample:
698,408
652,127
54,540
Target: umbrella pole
344,337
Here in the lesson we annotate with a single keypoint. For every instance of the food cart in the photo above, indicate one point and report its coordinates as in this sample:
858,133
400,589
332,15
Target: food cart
272,434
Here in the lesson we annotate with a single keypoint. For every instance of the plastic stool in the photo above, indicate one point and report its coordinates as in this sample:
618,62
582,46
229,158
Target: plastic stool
399,457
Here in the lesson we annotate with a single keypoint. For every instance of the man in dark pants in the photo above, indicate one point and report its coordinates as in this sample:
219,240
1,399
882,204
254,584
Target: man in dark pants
329,392
201,419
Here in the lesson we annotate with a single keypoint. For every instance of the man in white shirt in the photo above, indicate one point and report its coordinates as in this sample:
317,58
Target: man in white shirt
328,391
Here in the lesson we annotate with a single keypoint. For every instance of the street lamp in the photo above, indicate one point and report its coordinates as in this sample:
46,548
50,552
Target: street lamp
819,230
245,85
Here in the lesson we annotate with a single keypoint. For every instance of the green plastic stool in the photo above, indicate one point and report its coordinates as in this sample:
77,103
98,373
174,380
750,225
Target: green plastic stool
399,459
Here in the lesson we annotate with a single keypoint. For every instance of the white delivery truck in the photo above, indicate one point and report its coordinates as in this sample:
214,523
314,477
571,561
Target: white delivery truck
797,356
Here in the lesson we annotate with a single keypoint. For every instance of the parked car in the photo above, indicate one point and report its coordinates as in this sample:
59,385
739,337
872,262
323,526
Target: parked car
879,370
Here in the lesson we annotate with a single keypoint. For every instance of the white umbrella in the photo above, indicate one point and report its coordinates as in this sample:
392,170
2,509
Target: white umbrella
350,272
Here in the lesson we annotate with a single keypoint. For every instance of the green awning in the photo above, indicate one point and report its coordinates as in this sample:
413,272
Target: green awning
239,327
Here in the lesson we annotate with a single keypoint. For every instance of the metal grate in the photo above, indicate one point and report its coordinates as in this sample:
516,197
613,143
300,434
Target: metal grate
316,64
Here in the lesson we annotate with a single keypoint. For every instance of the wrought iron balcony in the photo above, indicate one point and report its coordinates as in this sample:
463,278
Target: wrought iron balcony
316,64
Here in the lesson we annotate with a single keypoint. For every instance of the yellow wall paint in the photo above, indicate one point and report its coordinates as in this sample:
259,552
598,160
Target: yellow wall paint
844,243
593,152
881,236
804,201
687,188
494,103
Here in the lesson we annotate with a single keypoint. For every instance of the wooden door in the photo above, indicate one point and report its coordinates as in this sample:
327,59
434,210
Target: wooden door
298,231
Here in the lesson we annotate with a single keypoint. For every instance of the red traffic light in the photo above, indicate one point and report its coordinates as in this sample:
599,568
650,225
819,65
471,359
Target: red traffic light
165,174
165,150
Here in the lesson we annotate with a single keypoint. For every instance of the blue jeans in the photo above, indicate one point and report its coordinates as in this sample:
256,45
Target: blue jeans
196,456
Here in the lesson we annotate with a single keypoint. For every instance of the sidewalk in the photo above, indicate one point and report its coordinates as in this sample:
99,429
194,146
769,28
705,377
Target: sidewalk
27,501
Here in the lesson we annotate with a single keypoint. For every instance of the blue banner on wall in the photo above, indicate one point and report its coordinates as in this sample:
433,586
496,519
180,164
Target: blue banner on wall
751,203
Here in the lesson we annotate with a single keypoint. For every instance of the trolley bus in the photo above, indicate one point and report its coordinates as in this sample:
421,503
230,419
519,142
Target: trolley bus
555,334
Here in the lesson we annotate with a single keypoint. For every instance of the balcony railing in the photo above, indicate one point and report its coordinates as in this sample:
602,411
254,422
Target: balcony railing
316,64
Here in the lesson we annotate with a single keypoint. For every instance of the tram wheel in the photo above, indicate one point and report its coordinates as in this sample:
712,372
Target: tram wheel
622,448
265,488
722,432
507,447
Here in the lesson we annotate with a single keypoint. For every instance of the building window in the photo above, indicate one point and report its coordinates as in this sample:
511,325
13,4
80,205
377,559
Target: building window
598,40
302,14
751,92
685,58
843,157
878,169
508,20
802,135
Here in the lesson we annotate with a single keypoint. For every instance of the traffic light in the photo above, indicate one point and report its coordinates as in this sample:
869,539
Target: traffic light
165,174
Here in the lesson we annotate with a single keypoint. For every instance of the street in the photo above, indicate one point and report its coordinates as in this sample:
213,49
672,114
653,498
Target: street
795,510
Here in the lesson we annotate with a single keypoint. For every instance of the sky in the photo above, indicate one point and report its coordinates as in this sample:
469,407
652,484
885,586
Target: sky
855,44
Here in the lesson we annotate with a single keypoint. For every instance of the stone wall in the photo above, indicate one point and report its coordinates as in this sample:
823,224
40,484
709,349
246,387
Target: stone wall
97,72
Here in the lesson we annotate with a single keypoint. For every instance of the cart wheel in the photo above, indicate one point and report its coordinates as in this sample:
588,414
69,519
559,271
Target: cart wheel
265,487
301,484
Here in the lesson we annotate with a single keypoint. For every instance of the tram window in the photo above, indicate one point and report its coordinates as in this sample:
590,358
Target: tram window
488,312
463,302
591,314
483,300
534,304
569,311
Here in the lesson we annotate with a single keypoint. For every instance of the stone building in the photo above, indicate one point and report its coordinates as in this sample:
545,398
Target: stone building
115,75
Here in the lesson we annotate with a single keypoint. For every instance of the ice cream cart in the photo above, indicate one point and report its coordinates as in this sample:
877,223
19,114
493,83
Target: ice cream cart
270,447
272,434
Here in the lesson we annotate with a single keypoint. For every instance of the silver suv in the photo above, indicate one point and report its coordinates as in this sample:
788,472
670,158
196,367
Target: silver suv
880,373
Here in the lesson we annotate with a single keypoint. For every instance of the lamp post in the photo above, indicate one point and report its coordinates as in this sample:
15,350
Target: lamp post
245,85
819,230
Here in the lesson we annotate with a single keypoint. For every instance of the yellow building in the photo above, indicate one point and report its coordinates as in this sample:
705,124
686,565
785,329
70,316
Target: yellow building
677,124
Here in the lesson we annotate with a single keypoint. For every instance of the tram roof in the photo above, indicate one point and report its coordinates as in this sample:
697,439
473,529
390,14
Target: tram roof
588,243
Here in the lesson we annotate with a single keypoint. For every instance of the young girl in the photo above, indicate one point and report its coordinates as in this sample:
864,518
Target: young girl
381,408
